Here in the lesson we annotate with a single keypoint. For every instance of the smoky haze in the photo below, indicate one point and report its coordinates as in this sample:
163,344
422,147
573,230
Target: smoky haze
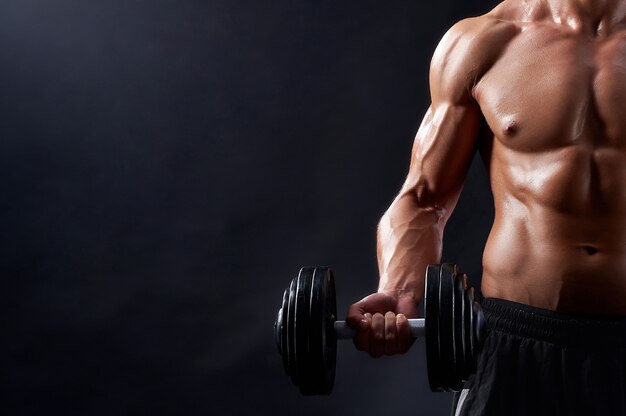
167,166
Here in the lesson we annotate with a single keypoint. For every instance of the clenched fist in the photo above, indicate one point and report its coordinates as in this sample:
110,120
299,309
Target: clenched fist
381,323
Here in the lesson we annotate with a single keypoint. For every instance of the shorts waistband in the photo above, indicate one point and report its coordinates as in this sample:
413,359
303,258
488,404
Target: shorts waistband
554,327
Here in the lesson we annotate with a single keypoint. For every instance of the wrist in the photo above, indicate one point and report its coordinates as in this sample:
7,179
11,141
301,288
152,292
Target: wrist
400,293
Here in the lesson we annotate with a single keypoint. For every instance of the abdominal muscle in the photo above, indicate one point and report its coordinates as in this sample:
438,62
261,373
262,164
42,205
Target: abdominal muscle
558,241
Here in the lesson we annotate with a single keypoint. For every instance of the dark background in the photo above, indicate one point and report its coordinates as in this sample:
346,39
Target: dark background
167,166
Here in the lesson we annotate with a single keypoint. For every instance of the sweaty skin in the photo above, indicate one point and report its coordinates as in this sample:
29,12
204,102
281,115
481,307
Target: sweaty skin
539,88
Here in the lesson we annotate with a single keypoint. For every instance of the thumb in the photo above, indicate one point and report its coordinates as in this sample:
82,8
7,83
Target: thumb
357,317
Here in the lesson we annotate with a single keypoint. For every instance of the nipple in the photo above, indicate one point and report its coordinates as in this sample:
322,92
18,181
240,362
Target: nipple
510,128
597,26
590,250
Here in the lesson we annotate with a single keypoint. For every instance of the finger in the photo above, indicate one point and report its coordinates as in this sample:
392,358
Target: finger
362,337
404,333
391,336
377,335
356,318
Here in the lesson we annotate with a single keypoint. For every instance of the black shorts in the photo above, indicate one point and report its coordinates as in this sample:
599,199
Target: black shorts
539,362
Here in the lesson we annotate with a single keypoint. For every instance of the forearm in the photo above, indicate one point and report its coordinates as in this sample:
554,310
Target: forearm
409,239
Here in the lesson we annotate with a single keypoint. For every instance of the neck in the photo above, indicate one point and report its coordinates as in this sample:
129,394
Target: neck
592,9
592,14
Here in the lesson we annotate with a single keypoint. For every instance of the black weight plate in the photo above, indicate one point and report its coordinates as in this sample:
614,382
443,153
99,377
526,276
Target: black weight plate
473,343
330,339
459,341
280,331
301,326
467,331
431,318
316,304
277,324
446,327
290,335
322,339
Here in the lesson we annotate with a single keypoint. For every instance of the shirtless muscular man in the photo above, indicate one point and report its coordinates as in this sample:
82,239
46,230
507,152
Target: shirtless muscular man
539,88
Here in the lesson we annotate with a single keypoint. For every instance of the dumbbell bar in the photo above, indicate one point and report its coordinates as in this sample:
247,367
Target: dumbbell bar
343,331
306,330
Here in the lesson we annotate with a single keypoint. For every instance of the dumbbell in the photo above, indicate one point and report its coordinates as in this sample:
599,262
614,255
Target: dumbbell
306,329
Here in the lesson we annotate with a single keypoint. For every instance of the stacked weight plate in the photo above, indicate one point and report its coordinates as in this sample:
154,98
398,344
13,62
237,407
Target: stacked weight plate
305,336
454,327
304,330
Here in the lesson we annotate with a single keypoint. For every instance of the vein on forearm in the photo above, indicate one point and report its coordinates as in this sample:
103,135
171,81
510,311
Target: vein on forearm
409,238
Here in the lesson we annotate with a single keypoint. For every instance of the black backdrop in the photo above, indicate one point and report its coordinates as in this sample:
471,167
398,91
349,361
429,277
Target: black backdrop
167,166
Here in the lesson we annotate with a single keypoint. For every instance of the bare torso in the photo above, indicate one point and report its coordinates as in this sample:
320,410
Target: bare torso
555,103
539,86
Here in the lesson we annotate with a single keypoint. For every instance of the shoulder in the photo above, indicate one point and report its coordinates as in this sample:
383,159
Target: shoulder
469,49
